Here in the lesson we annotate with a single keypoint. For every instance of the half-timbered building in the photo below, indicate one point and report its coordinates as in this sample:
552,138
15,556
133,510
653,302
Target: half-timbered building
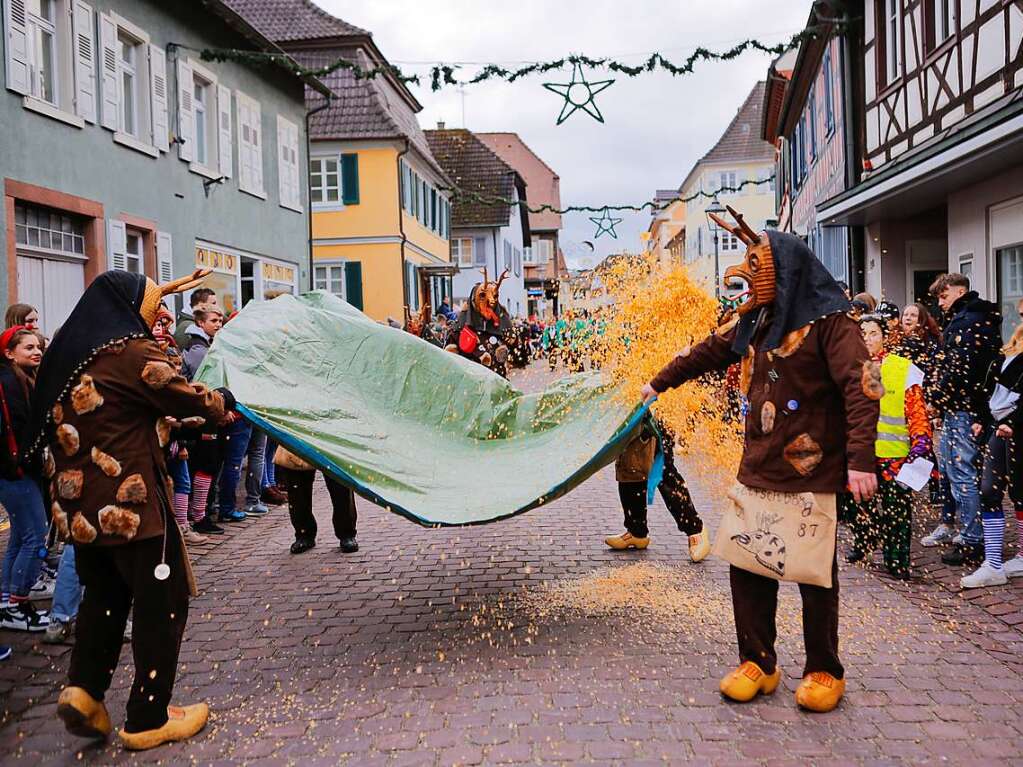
942,138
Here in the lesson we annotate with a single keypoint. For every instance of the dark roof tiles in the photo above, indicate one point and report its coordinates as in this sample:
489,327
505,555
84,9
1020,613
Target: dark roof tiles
290,20
473,167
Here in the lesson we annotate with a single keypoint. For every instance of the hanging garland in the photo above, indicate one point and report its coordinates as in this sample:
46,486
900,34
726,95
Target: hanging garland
442,75
464,195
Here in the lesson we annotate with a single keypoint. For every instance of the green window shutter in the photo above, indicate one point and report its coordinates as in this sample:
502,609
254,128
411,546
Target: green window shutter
353,283
350,179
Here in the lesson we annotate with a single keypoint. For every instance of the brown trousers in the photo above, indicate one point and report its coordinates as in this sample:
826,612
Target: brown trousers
755,604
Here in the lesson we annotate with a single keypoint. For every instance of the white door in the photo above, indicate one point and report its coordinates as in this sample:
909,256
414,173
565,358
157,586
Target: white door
53,287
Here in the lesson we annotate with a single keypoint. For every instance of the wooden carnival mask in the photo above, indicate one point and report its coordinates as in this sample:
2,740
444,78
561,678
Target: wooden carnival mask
756,272
486,299
416,323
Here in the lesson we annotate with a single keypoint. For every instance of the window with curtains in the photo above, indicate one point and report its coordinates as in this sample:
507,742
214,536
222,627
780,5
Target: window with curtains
461,251
331,278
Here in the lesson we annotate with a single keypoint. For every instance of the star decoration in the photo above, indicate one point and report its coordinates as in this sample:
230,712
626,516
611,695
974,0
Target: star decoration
605,224
579,94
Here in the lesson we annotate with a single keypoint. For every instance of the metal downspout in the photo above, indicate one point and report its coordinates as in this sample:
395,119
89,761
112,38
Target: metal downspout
308,187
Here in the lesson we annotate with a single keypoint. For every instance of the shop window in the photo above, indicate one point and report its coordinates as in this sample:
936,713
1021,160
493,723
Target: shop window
1010,285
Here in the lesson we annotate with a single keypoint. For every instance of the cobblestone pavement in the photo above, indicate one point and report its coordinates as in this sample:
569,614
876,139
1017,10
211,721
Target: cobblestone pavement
425,648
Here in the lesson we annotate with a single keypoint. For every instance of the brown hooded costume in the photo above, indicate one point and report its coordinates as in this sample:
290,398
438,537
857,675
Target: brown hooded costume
105,389
809,420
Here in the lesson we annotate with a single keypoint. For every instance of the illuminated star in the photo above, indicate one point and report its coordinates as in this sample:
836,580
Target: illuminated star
579,94
605,224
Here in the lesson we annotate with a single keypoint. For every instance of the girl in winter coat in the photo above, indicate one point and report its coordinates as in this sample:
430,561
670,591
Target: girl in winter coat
1002,465
20,492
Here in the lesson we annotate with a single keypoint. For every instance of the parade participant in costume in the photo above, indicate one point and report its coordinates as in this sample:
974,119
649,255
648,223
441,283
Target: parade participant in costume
481,329
102,395
298,475
631,472
903,435
809,433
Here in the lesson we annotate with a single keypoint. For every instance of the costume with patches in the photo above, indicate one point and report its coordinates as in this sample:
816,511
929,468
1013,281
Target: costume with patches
104,390
809,422
482,329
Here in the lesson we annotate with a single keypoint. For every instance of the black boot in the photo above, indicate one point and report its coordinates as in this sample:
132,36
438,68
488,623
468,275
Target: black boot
963,553
302,544
855,555
349,545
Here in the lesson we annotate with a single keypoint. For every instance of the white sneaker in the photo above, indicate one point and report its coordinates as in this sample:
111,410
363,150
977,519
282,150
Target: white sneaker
939,535
44,586
23,616
957,539
1014,567
985,575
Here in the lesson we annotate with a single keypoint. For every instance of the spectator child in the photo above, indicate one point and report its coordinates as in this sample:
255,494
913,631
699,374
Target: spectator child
903,435
1002,465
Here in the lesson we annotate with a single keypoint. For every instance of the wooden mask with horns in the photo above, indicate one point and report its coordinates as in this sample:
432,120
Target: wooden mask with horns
486,299
756,272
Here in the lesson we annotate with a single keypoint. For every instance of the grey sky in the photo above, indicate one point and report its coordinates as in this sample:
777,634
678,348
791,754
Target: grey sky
655,125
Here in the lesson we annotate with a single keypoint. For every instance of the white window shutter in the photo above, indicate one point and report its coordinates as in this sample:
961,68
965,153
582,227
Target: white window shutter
244,147
186,111
256,126
84,36
158,96
117,245
283,172
108,68
164,257
296,174
16,46
225,142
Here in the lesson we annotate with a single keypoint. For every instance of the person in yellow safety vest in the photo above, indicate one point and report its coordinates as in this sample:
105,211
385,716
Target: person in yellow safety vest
903,435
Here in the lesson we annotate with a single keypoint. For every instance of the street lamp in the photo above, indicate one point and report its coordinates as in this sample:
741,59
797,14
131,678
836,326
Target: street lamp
717,209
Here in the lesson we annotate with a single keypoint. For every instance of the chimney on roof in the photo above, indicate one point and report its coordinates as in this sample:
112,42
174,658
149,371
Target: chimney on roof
440,125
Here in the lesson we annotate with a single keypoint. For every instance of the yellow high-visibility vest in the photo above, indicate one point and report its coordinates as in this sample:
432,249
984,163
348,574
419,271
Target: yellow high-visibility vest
892,430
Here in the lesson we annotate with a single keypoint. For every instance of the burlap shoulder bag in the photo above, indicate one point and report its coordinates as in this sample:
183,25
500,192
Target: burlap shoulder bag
785,536
633,465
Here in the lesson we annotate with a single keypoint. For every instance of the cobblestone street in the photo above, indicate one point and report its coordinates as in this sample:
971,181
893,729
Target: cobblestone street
425,648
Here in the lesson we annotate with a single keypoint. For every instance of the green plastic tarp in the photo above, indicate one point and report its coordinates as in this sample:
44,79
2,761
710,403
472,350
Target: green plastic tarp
418,430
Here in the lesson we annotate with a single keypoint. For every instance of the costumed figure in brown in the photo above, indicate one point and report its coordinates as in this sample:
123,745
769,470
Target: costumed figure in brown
809,434
104,393
481,331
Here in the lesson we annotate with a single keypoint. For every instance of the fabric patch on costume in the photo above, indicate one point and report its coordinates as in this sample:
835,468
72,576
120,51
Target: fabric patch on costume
767,413
57,411
81,530
157,374
84,397
791,342
193,421
114,520
871,380
746,371
59,519
49,465
132,490
67,437
107,463
163,430
804,454
69,484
